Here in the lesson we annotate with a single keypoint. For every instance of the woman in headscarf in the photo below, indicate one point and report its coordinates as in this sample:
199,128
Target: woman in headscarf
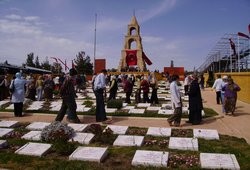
18,93
230,95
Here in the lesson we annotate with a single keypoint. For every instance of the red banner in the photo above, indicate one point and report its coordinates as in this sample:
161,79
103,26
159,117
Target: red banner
131,58
249,28
243,35
146,59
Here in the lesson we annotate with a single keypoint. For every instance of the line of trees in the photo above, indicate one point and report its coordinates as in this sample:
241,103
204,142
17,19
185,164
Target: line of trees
82,64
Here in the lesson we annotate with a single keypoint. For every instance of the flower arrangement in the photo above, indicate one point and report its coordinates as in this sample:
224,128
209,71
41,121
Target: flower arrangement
57,131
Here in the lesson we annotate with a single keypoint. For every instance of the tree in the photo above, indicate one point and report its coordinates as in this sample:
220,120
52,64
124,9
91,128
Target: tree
37,63
29,61
83,64
45,65
56,68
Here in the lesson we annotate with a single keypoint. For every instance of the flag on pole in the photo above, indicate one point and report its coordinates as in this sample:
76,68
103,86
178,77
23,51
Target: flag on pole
249,28
243,35
232,46
66,66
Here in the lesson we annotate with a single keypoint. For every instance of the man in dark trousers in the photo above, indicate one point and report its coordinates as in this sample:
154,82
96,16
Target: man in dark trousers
68,95
99,89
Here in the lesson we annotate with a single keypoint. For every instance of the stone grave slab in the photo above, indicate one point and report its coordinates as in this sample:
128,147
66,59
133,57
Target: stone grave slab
166,112
10,107
202,113
153,108
185,110
110,110
57,108
3,102
183,143
32,135
78,127
3,143
206,134
159,131
33,149
83,138
124,104
5,131
37,125
8,123
129,107
136,111
121,130
150,158
80,108
167,105
86,109
96,154
168,98
143,104
128,140
219,161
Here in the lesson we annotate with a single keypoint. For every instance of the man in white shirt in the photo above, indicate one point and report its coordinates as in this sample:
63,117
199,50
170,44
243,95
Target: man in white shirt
176,102
99,88
218,86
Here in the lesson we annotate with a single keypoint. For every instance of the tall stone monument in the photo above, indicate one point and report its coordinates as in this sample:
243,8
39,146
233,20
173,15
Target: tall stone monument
133,57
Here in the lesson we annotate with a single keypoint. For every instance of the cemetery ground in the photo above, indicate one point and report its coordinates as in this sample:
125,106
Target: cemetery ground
233,140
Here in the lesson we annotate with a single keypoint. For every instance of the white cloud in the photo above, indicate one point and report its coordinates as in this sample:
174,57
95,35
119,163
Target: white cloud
13,16
151,39
32,18
161,8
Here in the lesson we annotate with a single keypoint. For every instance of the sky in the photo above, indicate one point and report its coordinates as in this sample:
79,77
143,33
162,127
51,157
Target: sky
180,30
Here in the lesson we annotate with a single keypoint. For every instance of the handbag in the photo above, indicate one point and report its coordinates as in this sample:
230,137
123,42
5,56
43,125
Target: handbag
12,87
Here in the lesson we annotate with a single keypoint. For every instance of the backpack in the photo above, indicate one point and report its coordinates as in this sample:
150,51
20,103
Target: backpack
12,87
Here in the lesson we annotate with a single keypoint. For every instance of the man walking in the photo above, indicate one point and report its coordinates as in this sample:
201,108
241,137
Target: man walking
99,88
217,86
176,102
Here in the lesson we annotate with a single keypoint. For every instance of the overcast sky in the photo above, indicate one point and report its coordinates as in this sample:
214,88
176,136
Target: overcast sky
180,30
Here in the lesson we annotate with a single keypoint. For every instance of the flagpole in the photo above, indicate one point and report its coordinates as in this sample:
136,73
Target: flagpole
238,53
230,58
95,41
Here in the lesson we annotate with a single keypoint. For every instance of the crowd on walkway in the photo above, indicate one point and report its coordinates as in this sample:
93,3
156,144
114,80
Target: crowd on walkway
44,87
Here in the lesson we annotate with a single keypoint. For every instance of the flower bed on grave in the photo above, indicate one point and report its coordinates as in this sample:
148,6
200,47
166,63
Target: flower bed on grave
119,157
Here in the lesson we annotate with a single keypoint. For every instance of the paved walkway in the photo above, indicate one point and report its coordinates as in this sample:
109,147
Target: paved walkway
230,125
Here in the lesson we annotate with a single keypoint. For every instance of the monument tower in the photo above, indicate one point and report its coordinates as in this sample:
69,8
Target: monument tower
133,57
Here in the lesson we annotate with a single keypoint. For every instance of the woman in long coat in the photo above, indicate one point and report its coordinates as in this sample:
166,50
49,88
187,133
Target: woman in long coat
195,102
18,94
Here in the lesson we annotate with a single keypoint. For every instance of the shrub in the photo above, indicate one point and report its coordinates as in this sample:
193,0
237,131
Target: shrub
114,103
56,132
88,103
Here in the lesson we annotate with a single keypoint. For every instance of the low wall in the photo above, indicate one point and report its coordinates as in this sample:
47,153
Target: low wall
243,80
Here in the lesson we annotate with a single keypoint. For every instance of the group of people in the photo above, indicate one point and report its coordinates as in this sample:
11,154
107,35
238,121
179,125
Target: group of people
226,93
195,101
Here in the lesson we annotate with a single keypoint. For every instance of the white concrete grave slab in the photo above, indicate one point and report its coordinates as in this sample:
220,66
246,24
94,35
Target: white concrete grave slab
129,107
3,102
206,134
167,105
185,110
10,107
166,112
83,138
110,110
36,105
219,161
5,131
128,140
57,108
86,109
150,158
8,123
3,143
33,149
168,98
37,125
124,104
143,104
151,108
121,130
136,111
159,131
95,154
32,135
78,127
183,143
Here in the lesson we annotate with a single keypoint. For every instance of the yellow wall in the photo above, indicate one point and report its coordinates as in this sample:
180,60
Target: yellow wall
243,80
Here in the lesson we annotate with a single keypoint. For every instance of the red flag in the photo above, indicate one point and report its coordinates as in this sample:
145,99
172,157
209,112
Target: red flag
146,59
243,35
249,28
232,46
131,58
